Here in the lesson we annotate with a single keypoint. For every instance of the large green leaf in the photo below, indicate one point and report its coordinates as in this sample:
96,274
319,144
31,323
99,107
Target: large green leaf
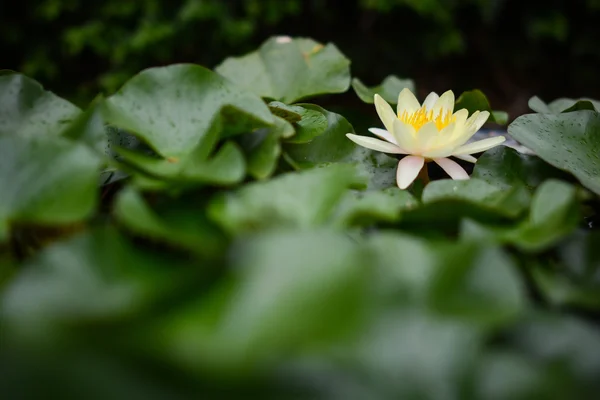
554,214
563,105
479,284
26,109
410,354
288,69
569,344
172,107
179,223
92,276
574,279
389,89
289,290
366,207
506,168
46,180
226,166
450,200
569,141
475,100
296,199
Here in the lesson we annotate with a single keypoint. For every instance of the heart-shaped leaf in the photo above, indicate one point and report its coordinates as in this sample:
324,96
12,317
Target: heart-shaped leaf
26,109
569,141
172,107
288,70
297,199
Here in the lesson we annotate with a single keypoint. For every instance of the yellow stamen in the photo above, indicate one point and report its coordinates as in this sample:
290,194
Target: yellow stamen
422,116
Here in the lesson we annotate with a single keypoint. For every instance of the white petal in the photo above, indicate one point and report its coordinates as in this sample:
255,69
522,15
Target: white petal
375,144
383,134
385,112
408,170
426,135
467,158
430,100
460,117
405,136
445,104
476,121
452,168
407,102
479,146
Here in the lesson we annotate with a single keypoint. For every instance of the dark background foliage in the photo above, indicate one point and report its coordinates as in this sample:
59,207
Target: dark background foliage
510,49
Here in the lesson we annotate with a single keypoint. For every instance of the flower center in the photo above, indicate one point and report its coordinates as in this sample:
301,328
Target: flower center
422,116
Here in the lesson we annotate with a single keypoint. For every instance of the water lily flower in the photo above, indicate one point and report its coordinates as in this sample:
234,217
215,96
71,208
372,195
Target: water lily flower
426,132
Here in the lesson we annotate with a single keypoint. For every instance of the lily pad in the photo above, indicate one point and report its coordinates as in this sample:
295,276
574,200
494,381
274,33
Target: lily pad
46,180
320,138
447,201
568,141
554,214
506,168
289,70
363,208
26,109
90,277
288,289
172,108
225,167
563,105
389,89
297,199
179,223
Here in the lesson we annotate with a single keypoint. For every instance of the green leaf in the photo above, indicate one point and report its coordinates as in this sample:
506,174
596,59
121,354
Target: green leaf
225,167
263,147
282,110
554,214
359,208
26,109
320,138
568,141
172,108
563,105
477,283
297,199
575,280
88,127
290,290
475,100
179,223
313,122
450,200
46,180
93,276
563,341
389,89
506,168
288,69
410,354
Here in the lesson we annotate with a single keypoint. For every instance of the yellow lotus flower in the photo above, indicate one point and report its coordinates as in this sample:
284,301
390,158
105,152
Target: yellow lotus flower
428,132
